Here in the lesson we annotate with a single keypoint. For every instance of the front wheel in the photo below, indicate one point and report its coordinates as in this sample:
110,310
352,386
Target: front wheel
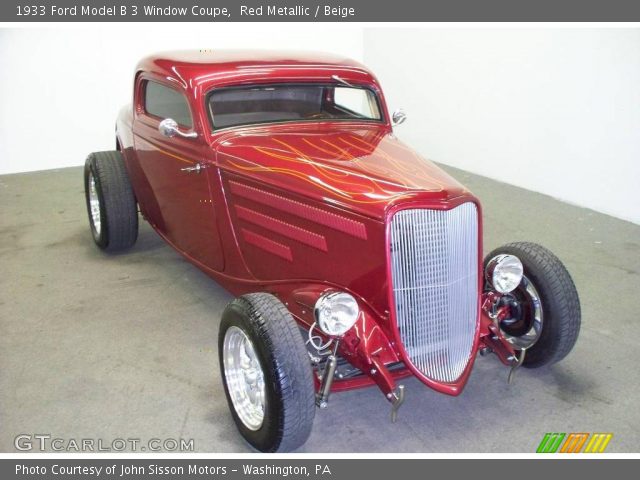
266,373
544,308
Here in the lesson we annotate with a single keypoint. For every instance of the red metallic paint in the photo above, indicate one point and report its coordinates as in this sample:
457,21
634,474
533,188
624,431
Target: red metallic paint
490,336
294,209
363,168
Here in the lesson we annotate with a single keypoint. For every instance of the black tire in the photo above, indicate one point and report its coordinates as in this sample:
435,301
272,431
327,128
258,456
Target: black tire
289,404
118,228
559,299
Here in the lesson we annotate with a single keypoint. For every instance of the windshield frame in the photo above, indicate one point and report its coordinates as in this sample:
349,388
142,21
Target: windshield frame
376,96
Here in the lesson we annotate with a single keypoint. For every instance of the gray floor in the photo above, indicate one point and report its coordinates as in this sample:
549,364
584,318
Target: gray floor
98,346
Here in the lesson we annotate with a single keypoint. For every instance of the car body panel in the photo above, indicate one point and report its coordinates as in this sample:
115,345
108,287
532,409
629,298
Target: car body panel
361,168
295,209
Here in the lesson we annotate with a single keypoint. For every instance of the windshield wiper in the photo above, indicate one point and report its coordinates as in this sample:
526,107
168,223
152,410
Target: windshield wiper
341,80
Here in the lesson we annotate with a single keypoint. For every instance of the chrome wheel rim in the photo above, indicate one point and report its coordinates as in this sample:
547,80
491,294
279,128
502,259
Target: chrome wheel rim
94,204
245,378
527,294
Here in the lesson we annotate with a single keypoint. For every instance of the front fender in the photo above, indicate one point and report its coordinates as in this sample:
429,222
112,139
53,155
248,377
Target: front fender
366,345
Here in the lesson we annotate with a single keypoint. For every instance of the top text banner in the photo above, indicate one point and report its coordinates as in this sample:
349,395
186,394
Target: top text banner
320,11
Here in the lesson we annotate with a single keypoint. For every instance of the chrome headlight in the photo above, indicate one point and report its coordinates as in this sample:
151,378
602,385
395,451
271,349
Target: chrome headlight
336,312
504,272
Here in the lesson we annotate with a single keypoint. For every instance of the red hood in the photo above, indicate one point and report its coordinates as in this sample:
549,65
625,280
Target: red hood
362,169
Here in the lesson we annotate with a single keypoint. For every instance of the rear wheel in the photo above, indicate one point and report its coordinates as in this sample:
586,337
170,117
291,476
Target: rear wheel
111,204
266,373
544,309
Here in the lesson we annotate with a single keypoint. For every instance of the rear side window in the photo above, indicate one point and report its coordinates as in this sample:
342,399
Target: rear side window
165,102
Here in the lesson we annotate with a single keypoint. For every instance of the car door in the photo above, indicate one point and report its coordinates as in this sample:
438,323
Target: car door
176,169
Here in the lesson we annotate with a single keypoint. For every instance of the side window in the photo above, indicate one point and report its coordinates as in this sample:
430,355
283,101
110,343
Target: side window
357,101
165,102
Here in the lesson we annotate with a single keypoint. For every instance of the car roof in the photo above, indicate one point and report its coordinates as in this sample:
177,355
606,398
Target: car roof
224,67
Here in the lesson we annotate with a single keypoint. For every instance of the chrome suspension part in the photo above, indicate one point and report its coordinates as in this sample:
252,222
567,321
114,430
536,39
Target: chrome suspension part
322,397
517,362
397,399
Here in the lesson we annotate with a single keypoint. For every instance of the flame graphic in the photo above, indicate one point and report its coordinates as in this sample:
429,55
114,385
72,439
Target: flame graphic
383,176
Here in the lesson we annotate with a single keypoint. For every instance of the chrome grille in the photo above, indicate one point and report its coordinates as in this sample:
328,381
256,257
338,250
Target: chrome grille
434,268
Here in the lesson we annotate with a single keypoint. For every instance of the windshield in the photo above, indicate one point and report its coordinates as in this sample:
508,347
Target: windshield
234,106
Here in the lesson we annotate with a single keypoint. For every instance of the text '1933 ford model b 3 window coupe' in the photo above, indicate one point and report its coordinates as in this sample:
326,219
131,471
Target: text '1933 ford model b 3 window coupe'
356,261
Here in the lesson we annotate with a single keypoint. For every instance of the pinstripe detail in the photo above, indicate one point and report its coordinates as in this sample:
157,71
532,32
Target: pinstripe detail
164,152
283,228
267,244
328,219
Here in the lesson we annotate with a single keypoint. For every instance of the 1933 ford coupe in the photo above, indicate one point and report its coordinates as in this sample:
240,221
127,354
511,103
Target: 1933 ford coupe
355,261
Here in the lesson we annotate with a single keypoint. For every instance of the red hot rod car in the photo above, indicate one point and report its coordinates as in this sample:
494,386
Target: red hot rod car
356,261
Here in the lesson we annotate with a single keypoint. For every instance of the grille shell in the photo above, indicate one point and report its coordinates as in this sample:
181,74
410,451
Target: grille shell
434,278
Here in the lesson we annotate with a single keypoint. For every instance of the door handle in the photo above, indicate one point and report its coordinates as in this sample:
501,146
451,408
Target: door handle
196,169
